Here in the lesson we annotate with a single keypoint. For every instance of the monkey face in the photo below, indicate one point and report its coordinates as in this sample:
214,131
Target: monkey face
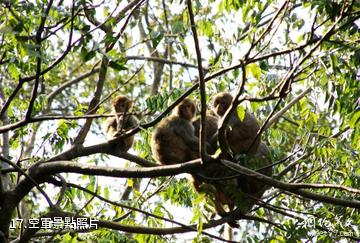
221,103
186,109
219,108
121,104
121,107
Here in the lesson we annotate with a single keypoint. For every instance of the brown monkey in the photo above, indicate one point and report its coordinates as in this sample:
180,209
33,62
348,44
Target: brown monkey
203,182
121,122
173,141
211,129
212,187
242,191
240,134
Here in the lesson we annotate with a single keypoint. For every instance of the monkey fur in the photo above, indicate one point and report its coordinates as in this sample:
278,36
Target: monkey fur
240,134
173,140
262,158
121,122
211,129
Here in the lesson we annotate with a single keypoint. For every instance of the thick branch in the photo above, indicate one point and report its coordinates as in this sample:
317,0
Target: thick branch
291,187
41,171
95,100
106,147
49,168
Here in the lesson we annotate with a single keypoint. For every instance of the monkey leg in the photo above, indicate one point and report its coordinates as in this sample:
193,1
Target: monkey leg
221,199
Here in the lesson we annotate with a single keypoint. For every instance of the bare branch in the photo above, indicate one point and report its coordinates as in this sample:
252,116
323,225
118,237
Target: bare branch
67,84
80,138
202,144
286,108
106,147
162,60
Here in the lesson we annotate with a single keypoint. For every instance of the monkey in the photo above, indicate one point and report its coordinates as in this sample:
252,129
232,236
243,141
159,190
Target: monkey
241,192
215,187
211,129
173,140
121,122
240,134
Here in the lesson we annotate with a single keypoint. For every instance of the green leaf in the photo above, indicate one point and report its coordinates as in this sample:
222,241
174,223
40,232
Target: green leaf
241,113
177,27
87,55
355,119
157,36
205,28
130,182
264,65
106,192
356,57
254,69
117,65
14,71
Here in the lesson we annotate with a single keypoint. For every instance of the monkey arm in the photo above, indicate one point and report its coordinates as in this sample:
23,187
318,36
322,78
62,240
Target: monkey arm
235,120
110,127
119,119
129,122
191,140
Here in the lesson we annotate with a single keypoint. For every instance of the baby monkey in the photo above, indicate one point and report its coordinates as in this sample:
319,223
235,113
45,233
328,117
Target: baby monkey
121,122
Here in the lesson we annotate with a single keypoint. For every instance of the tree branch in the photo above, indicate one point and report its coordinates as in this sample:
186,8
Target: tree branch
291,187
202,145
